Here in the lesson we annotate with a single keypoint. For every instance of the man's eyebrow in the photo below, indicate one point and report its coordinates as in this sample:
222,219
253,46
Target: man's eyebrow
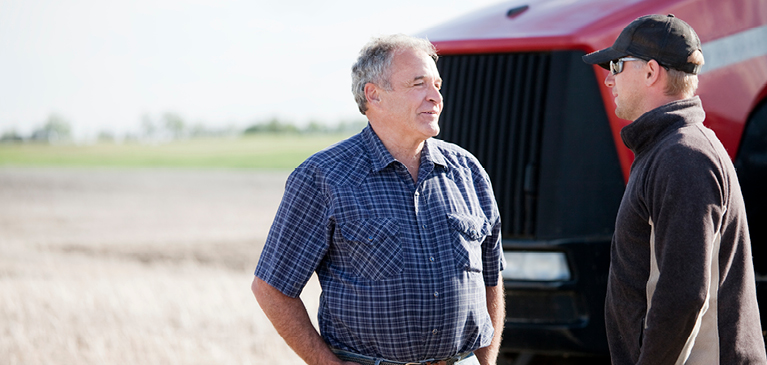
417,78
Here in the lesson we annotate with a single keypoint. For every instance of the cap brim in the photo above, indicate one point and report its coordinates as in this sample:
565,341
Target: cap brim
603,57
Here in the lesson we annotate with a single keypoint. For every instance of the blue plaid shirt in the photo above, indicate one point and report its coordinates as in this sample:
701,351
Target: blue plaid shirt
403,266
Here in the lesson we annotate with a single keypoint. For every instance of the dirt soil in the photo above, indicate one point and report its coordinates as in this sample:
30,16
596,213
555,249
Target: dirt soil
148,214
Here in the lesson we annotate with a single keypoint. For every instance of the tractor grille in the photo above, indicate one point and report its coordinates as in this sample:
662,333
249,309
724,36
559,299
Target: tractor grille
494,107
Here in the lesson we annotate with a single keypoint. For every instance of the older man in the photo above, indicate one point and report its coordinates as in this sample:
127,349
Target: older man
402,230
681,283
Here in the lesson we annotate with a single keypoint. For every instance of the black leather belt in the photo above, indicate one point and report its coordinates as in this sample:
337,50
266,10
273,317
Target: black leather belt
368,360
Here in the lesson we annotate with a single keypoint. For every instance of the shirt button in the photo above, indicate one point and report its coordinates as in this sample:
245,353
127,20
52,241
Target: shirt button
436,294
431,259
424,226
434,332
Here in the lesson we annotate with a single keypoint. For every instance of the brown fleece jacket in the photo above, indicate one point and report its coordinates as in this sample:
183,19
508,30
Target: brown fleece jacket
681,287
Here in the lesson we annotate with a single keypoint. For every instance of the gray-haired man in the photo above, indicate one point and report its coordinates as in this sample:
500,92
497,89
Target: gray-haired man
402,230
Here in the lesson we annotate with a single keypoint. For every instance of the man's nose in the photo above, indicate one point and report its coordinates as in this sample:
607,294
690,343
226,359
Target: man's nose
610,79
434,94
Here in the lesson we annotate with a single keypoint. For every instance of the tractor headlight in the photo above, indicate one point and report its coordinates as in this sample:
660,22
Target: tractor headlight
536,266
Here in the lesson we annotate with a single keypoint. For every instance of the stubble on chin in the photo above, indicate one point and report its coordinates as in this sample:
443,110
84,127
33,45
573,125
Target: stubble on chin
623,113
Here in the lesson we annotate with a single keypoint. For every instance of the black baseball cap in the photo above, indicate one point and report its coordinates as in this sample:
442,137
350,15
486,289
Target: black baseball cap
663,38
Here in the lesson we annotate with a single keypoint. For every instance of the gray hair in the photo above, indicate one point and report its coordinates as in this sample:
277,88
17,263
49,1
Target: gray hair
375,60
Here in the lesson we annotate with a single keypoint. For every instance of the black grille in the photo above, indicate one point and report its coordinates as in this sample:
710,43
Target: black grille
494,107
542,307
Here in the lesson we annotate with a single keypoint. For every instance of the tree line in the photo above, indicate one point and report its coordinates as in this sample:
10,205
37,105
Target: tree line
171,126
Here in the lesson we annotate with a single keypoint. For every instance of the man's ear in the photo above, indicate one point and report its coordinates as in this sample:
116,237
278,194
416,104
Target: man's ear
653,71
372,94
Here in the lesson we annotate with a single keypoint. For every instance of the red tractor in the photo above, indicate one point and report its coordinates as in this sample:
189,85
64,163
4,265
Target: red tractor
542,122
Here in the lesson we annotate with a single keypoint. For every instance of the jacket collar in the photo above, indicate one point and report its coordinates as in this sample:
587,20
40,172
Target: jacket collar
653,125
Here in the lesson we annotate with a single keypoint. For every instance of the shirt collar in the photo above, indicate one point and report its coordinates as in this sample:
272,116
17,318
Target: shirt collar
432,153
381,157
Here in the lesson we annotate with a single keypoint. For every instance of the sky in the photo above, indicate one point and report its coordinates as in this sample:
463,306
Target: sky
103,65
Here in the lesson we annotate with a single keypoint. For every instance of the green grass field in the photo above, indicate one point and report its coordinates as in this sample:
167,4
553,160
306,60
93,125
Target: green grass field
254,152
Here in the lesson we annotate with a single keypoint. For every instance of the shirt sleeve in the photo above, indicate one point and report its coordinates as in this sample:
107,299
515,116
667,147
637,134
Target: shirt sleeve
685,200
296,242
493,261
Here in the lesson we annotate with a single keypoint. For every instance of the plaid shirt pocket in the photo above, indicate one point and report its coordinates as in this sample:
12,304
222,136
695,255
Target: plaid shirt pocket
468,231
374,248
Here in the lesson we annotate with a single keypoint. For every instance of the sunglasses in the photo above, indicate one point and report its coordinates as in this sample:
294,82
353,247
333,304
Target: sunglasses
616,66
